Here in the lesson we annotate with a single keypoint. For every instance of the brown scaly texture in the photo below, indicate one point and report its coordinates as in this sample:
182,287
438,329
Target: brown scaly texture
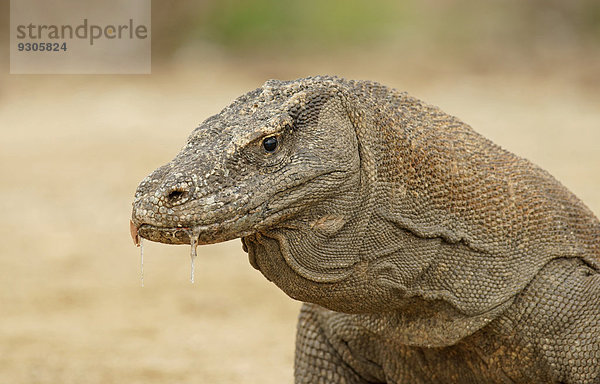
424,252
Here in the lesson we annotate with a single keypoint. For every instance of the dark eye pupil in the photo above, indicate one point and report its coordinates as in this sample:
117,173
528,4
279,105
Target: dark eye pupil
270,144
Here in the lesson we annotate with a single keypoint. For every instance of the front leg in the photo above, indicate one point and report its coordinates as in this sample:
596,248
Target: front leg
317,361
558,316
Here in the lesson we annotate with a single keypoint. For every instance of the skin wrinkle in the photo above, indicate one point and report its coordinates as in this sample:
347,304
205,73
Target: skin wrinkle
423,252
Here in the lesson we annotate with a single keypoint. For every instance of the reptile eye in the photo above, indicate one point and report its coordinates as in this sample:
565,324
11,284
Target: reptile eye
270,144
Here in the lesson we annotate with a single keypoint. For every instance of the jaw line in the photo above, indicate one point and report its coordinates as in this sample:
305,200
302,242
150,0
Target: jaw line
207,234
211,233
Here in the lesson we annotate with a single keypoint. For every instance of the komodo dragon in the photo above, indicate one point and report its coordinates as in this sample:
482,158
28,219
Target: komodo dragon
424,253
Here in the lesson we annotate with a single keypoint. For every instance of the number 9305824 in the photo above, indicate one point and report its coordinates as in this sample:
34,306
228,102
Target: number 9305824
42,47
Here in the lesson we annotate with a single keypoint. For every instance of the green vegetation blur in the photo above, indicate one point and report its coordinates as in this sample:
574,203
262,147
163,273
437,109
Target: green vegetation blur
293,26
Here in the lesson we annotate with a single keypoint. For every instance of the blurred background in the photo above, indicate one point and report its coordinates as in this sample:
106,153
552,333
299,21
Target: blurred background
73,149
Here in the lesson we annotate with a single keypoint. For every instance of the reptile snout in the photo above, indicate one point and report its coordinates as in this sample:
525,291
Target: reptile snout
160,196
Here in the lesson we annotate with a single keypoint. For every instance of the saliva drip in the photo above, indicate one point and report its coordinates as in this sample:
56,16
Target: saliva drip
142,261
193,246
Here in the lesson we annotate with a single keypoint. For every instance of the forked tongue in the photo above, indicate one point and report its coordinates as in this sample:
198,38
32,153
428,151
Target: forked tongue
193,234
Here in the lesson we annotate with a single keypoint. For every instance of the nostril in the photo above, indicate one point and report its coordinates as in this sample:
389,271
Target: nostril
176,196
176,189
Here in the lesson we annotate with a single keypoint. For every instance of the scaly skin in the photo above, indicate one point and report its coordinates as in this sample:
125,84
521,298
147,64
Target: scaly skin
424,252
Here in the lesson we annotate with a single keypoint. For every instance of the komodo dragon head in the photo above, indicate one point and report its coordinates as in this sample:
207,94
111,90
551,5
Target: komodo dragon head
280,168
362,199
284,155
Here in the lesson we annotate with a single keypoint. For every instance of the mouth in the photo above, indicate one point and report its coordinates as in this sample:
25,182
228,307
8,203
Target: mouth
204,234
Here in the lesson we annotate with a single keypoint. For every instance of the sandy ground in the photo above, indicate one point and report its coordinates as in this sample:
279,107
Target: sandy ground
72,152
